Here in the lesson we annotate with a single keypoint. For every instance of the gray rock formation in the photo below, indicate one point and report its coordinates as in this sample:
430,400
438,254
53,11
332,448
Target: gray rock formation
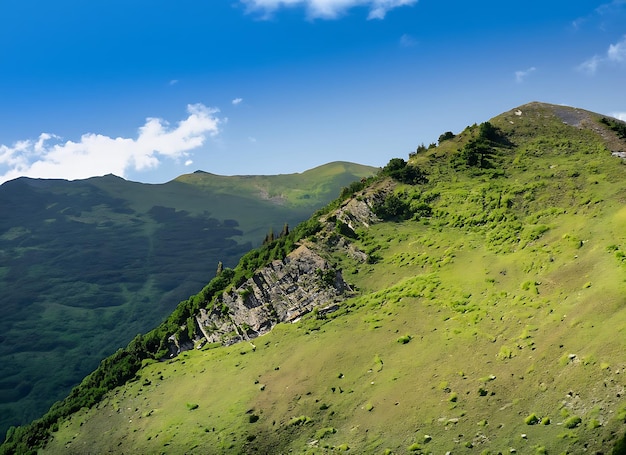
280,292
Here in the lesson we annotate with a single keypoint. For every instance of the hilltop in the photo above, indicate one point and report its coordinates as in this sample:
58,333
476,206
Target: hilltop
469,299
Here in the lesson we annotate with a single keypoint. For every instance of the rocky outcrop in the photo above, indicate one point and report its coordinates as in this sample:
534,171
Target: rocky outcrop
280,292
284,290
358,211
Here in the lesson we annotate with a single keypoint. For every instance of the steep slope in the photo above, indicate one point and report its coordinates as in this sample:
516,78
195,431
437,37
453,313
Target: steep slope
85,265
485,314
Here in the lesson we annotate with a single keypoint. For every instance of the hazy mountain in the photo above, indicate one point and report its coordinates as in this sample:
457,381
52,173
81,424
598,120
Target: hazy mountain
470,301
86,265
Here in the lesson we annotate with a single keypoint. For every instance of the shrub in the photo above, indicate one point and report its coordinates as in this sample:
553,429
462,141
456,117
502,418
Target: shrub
323,432
446,136
301,420
593,424
572,422
415,447
399,170
505,353
393,207
404,339
531,419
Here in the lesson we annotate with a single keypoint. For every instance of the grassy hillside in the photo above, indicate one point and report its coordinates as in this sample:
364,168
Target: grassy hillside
86,265
489,317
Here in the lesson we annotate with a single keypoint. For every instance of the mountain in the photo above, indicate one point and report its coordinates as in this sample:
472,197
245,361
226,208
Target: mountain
468,301
86,265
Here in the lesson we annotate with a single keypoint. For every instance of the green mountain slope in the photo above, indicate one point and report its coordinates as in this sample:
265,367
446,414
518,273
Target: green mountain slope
85,265
485,313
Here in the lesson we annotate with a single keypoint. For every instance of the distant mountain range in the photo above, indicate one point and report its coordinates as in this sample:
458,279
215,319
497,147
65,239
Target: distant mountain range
86,265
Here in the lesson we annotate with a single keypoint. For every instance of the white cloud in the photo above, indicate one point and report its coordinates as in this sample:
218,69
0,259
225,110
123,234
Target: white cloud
407,41
188,162
521,75
616,53
174,82
327,9
96,154
237,101
598,17
590,65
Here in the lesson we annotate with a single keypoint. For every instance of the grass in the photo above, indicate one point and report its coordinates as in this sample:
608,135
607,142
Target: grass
346,343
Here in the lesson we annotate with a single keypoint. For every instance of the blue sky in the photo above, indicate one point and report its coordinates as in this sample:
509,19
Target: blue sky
149,90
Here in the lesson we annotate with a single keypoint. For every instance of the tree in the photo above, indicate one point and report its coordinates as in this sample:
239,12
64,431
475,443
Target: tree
446,136
476,153
269,237
400,170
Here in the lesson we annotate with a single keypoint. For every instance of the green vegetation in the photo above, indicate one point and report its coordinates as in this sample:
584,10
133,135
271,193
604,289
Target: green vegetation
491,287
618,126
88,264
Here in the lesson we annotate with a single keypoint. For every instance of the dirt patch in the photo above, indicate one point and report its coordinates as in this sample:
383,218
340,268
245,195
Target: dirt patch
585,119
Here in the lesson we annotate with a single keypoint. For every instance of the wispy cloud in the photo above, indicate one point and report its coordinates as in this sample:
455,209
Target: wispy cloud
610,7
606,10
237,101
616,53
96,154
407,41
327,9
521,75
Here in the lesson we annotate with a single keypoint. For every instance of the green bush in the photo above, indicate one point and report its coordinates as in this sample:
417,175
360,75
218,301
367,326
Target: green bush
531,419
404,339
301,420
572,422
323,432
400,170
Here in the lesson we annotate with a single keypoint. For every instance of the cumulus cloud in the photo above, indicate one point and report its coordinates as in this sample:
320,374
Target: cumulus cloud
237,101
523,74
96,154
616,53
327,9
